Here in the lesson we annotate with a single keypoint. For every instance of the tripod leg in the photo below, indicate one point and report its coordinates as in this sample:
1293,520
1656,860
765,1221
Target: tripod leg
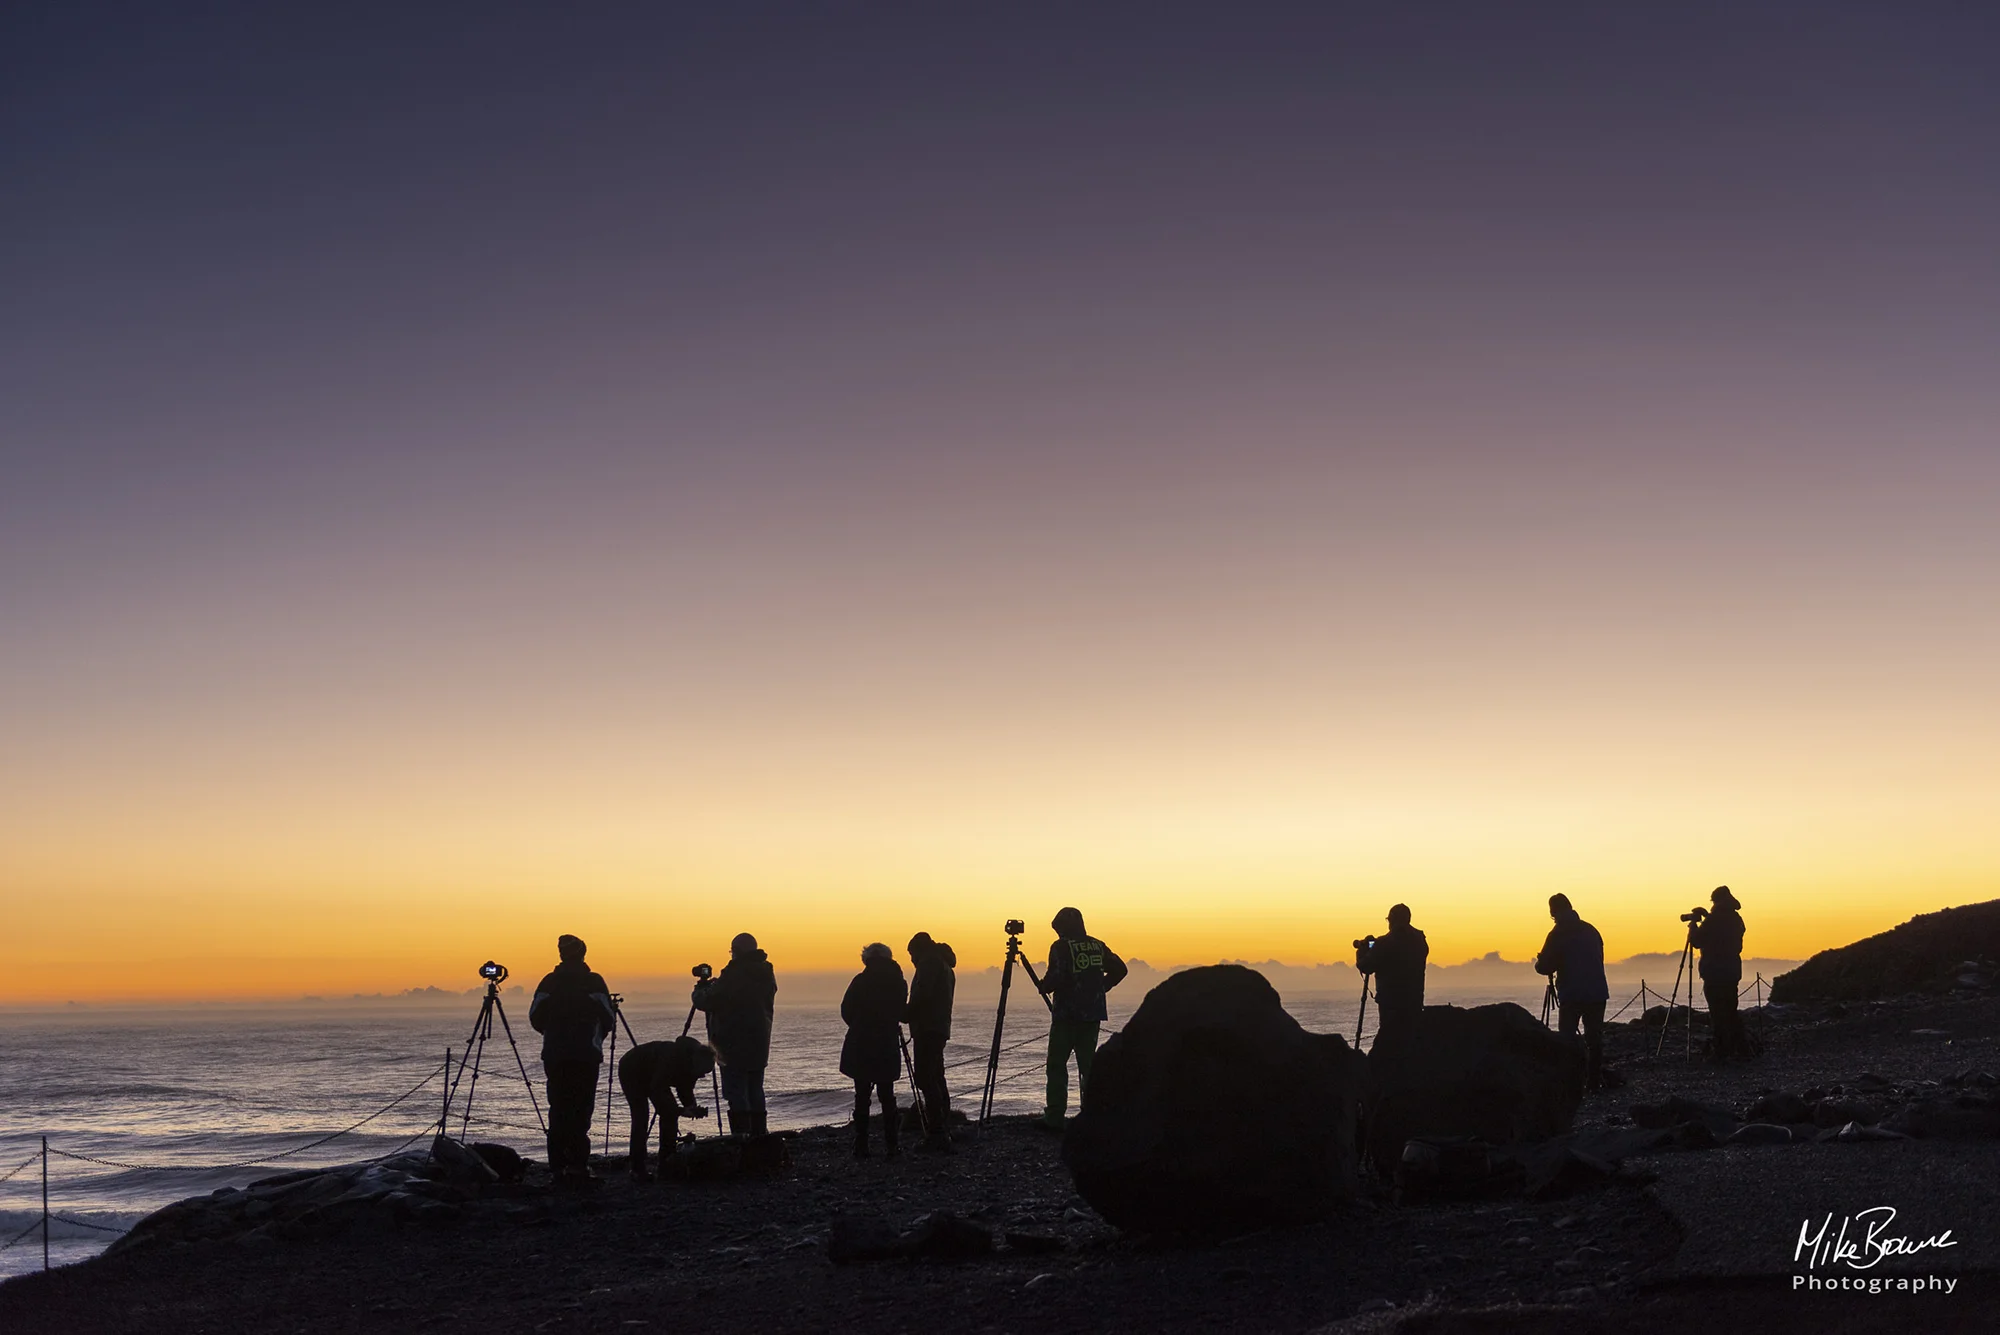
508,1029
999,1028
1667,1023
1361,1018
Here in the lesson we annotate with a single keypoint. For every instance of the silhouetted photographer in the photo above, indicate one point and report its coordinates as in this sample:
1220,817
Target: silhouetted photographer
572,1012
740,1002
1574,955
660,1078
1081,970
932,985
872,1054
1718,934
1396,960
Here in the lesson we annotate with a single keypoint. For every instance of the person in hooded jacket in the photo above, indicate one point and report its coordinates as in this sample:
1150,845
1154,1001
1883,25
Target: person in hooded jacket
1081,970
1719,938
932,983
1397,960
872,1055
740,1002
1574,955
572,1012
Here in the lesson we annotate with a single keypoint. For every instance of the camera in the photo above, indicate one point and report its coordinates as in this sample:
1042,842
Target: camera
1015,927
703,972
1366,942
493,973
1695,914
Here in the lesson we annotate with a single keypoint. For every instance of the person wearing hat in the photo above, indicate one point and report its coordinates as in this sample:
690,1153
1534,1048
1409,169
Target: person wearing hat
1397,959
1719,938
872,1055
1574,955
740,1002
572,1012
1081,970
932,983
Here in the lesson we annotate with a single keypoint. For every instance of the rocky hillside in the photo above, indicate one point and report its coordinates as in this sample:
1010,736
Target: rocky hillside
1932,952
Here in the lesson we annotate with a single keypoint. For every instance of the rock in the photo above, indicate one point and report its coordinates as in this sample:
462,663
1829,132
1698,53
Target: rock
1780,1108
505,1161
1490,1072
1841,1111
1453,1167
1760,1133
1960,1119
767,1154
461,1163
1564,1170
854,1239
1926,953
1214,1110
1031,1244
943,1236
1676,1111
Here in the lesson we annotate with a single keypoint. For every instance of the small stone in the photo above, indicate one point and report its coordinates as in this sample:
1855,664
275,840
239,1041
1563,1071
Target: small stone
1568,1222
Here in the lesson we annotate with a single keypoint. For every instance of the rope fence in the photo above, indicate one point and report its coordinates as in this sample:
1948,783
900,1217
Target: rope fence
47,1151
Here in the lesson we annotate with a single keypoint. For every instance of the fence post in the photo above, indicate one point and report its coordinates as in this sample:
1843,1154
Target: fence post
45,1202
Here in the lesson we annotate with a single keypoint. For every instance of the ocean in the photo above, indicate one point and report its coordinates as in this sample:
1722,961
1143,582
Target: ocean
193,1100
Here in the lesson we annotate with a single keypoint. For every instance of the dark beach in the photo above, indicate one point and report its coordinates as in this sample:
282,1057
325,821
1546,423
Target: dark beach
1711,1233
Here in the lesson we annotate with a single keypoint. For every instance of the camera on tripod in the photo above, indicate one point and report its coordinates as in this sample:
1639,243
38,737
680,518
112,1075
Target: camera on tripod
493,973
1015,927
702,972
1695,914
1366,942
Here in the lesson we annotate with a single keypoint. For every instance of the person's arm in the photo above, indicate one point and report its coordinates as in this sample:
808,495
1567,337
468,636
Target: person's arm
1114,969
1550,958
1055,979
538,1009
600,996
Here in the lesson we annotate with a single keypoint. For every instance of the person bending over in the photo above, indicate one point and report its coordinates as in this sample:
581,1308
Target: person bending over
1574,955
1081,970
572,1012
660,1077
872,1055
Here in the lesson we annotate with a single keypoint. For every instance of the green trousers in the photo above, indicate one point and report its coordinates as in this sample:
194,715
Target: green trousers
1067,1037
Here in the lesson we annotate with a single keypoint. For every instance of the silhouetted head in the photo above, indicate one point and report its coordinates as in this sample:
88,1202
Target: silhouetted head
700,1056
921,945
1068,922
1722,899
877,953
1399,915
570,949
743,945
1559,906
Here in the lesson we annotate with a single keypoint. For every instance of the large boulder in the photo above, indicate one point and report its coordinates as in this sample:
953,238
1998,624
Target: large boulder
1215,1111
1932,952
1494,1073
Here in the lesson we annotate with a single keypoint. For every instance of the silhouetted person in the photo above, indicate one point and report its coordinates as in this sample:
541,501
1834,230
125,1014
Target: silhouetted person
1081,970
932,983
872,1056
572,1012
740,1002
1397,960
1574,954
1719,938
663,1076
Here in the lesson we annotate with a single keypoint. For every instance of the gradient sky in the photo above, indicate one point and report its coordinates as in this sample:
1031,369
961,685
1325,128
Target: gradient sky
476,472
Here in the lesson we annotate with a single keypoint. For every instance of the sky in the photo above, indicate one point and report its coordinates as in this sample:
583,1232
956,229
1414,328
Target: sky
475,472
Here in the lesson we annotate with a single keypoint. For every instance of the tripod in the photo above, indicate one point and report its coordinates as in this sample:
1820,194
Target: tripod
610,1079
714,1080
917,1099
1359,1019
1014,930
1686,967
482,1029
1548,1002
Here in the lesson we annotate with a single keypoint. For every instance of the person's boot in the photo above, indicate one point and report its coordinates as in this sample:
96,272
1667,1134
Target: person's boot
735,1124
760,1123
861,1134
